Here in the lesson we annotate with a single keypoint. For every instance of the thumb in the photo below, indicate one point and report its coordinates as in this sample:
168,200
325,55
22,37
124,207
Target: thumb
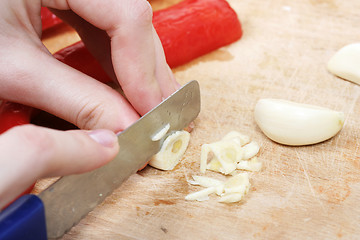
29,152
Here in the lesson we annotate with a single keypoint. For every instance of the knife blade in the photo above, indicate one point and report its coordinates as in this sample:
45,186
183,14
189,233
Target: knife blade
72,197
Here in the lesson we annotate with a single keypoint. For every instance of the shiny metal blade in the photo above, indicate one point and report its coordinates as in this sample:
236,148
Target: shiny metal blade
71,198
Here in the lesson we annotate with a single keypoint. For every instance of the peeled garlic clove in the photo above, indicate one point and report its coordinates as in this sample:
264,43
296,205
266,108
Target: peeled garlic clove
171,151
293,123
346,63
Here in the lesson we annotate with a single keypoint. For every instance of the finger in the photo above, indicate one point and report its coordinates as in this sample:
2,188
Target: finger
28,153
52,86
137,57
164,75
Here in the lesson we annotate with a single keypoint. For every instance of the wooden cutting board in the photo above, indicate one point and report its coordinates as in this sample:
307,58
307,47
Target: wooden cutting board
307,192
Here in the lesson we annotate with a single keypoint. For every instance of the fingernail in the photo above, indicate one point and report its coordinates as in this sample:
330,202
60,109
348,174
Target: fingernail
105,137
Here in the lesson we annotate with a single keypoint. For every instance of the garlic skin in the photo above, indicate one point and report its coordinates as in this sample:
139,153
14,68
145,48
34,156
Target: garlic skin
346,63
296,124
171,151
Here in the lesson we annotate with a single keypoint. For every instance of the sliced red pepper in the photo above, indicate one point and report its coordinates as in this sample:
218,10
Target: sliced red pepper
187,31
78,57
13,114
193,28
48,19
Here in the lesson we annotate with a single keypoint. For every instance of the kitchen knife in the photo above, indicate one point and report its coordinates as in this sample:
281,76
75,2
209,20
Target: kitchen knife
71,198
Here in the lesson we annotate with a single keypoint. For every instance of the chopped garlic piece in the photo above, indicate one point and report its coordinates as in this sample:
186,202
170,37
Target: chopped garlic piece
160,134
171,151
231,198
237,137
205,181
208,182
250,150
232,190
201,195
237,184
225,156
250,165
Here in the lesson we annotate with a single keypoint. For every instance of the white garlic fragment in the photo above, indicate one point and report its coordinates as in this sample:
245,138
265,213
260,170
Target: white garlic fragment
250,165
235,188
237,138
171,151
201,195
205,181
346,63
232,190
250,150
231,198
237,184
160,134
294,124
208,182
225,155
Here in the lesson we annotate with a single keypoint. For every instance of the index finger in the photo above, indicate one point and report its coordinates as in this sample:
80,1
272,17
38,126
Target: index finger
137,55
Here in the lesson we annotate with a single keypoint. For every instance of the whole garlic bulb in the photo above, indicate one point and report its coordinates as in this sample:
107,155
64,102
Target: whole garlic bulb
294,124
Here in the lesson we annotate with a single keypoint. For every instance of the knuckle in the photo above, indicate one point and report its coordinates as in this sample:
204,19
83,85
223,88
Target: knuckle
89,116
140,11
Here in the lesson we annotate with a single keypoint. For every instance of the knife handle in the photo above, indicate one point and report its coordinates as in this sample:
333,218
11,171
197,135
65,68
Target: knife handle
24,219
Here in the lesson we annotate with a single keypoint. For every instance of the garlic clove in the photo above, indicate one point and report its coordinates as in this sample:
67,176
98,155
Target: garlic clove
346,63
294,124
171,151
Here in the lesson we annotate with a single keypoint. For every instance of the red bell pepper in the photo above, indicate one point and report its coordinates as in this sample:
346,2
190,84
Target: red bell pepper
13,114
193,28
78,57
48,19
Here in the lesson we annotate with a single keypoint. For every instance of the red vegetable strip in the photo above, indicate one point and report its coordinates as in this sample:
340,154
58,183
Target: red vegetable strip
193,28
78,57
48,19
13,114
187,30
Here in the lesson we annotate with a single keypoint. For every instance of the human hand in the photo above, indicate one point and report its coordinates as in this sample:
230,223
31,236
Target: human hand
31,76
29,152
121,36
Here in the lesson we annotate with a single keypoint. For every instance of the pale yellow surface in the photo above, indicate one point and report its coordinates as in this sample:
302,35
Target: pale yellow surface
308,192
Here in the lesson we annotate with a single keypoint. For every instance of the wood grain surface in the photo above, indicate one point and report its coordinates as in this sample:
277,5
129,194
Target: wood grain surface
309,192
